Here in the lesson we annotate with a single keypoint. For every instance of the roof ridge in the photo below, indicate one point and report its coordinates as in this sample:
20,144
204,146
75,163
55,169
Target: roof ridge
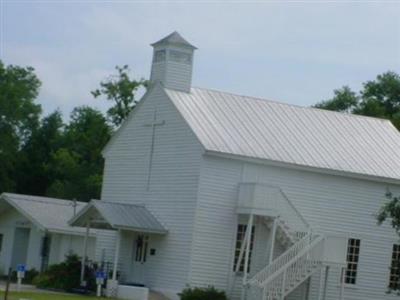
41,199
294,105
122,203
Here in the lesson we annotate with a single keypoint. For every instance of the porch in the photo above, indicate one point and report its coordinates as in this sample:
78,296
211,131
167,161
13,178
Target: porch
134,226
291,252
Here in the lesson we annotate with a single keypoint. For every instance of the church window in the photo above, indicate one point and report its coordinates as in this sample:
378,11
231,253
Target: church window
353,255
394,280
241,232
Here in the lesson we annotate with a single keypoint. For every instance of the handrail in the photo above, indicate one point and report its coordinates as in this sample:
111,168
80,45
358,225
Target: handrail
281,261
312,244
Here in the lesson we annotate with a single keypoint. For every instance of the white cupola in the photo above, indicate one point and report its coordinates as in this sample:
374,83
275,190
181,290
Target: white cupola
173,62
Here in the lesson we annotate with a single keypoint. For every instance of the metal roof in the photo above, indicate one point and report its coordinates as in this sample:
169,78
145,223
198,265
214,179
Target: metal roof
258,128
175,39
49,214
113,215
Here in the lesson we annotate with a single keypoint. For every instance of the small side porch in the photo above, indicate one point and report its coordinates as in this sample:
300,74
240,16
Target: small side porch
134,225
291,252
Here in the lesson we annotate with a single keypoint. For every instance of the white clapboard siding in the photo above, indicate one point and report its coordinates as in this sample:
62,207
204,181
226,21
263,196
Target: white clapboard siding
215,224
178,76
173,186
8,222
105,246
331,204
62,245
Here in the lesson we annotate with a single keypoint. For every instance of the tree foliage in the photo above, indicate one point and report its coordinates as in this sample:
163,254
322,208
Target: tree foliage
77,166
46,156
121,90
32,174
344,100
390,210
378,98
19,117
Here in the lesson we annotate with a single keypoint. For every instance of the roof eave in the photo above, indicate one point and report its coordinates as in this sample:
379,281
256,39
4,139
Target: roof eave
139,229
23,212
70,232
286,165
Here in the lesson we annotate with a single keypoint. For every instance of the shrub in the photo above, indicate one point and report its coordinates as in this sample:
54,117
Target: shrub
209,293
65,275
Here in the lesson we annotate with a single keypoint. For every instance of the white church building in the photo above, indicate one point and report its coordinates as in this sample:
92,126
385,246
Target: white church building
261,199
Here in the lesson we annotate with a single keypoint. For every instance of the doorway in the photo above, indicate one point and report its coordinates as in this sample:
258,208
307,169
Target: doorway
140,247
20,247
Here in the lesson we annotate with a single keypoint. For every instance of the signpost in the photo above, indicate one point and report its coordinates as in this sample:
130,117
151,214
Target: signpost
100,276
21,269
7,284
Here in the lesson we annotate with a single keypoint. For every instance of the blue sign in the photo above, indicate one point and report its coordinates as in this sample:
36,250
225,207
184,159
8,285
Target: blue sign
21,268
100,275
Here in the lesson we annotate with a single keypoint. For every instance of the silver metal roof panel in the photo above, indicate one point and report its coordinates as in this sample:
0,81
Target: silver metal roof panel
262,129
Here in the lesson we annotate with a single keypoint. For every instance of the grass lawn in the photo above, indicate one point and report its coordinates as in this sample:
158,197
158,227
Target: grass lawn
46,296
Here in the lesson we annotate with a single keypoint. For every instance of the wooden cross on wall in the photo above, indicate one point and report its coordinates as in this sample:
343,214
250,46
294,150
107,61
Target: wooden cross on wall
153,125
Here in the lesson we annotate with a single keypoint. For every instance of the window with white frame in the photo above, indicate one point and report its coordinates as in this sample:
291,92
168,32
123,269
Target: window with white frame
241,232
394,278
353,255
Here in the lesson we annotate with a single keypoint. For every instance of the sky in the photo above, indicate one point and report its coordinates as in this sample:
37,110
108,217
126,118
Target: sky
291,51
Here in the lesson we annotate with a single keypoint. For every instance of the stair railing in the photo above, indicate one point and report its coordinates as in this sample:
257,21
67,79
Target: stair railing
291,253
296,265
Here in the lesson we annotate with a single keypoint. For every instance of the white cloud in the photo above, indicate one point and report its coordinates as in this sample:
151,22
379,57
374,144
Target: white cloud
298,52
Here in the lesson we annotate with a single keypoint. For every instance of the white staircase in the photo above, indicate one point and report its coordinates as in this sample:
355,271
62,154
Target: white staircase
304,254
288,271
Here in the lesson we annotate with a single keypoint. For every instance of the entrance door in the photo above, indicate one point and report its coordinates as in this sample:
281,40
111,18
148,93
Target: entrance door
20,247
139,257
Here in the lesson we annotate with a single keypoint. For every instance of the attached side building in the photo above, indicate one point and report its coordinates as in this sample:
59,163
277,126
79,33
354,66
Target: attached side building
34,231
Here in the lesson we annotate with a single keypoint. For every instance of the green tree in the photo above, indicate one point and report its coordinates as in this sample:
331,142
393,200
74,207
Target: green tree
390,210
121,90
19,117
344,100
32,176
378,98
77,166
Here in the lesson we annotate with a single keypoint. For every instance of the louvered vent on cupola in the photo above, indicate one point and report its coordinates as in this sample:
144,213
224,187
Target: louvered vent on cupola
173,62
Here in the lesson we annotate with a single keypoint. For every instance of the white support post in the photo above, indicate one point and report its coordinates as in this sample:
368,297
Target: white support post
321,277
326,282
116,256
283,285
84,254
241,253
342,284
98,291
247,254
271,251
